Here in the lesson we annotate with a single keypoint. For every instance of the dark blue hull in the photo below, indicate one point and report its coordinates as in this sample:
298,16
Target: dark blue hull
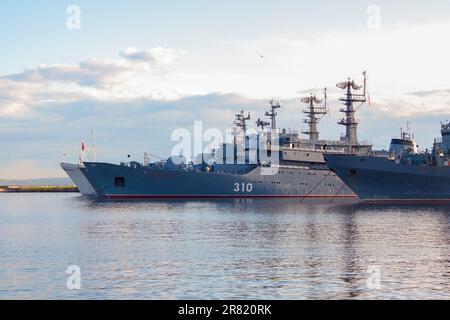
380,179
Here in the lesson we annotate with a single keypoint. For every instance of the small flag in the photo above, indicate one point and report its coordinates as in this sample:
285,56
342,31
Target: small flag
82,151
368,99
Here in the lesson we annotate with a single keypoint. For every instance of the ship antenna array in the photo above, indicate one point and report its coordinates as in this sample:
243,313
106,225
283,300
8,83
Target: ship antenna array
241,121
349,121
315,111
262,124
274,104
94,146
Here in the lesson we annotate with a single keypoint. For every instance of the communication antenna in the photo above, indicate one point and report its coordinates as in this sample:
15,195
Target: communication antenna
63,154
146,159
241,121
325,101
314,113
274,104
350,97
94,146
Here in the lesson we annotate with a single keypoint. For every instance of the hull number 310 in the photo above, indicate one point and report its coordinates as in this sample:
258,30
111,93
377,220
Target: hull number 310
243,187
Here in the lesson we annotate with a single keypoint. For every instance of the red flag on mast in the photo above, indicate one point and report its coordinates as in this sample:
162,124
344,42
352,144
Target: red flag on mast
83,148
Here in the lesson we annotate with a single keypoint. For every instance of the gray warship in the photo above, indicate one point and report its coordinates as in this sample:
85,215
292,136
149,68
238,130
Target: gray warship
284,164
403,175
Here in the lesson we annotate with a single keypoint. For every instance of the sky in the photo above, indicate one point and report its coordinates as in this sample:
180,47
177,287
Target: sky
134,71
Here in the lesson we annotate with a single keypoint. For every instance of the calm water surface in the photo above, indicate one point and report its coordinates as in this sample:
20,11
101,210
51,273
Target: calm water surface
233,249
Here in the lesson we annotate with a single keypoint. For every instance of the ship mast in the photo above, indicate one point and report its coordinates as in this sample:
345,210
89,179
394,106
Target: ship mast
349,121
94,146
272,113
241,122
313,112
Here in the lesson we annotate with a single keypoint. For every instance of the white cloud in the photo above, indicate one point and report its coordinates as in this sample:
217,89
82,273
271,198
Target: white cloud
400,60
130,77
155,56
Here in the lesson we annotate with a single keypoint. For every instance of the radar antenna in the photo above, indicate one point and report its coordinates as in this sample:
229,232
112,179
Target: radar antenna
241,121
317,108
262,124
349,121
274,104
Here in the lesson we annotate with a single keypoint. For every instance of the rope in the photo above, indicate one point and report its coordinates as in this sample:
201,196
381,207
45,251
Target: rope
339,191
313,189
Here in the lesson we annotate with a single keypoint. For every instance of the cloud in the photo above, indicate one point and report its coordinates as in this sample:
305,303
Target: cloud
87,73
430,93
293,61
130,77
155,56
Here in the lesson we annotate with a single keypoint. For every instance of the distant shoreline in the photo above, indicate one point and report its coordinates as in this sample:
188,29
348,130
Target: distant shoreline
37,189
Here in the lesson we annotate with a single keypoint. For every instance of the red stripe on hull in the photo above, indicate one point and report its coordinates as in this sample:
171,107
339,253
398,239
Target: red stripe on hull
408,201
133,196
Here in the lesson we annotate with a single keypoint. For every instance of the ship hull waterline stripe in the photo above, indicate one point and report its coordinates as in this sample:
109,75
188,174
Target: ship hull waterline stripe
138,196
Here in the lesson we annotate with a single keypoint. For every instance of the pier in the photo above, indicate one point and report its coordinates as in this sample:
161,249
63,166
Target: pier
37,189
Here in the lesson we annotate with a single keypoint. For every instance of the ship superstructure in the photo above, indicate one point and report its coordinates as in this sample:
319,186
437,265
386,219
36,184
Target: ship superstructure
273,163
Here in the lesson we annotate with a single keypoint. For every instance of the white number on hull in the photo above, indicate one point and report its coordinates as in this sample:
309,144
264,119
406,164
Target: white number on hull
243,187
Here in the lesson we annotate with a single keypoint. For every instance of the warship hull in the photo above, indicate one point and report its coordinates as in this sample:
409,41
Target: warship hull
78,178
379,179
123,182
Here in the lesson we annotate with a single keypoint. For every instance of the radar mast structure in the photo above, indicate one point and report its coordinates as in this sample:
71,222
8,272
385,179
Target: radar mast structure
241,121
272,113
315,111
349,121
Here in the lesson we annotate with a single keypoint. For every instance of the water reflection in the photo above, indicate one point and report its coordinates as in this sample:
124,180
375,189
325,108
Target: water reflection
243,249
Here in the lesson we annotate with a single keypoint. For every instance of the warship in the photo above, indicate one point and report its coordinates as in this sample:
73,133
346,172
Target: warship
280,164
403,175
